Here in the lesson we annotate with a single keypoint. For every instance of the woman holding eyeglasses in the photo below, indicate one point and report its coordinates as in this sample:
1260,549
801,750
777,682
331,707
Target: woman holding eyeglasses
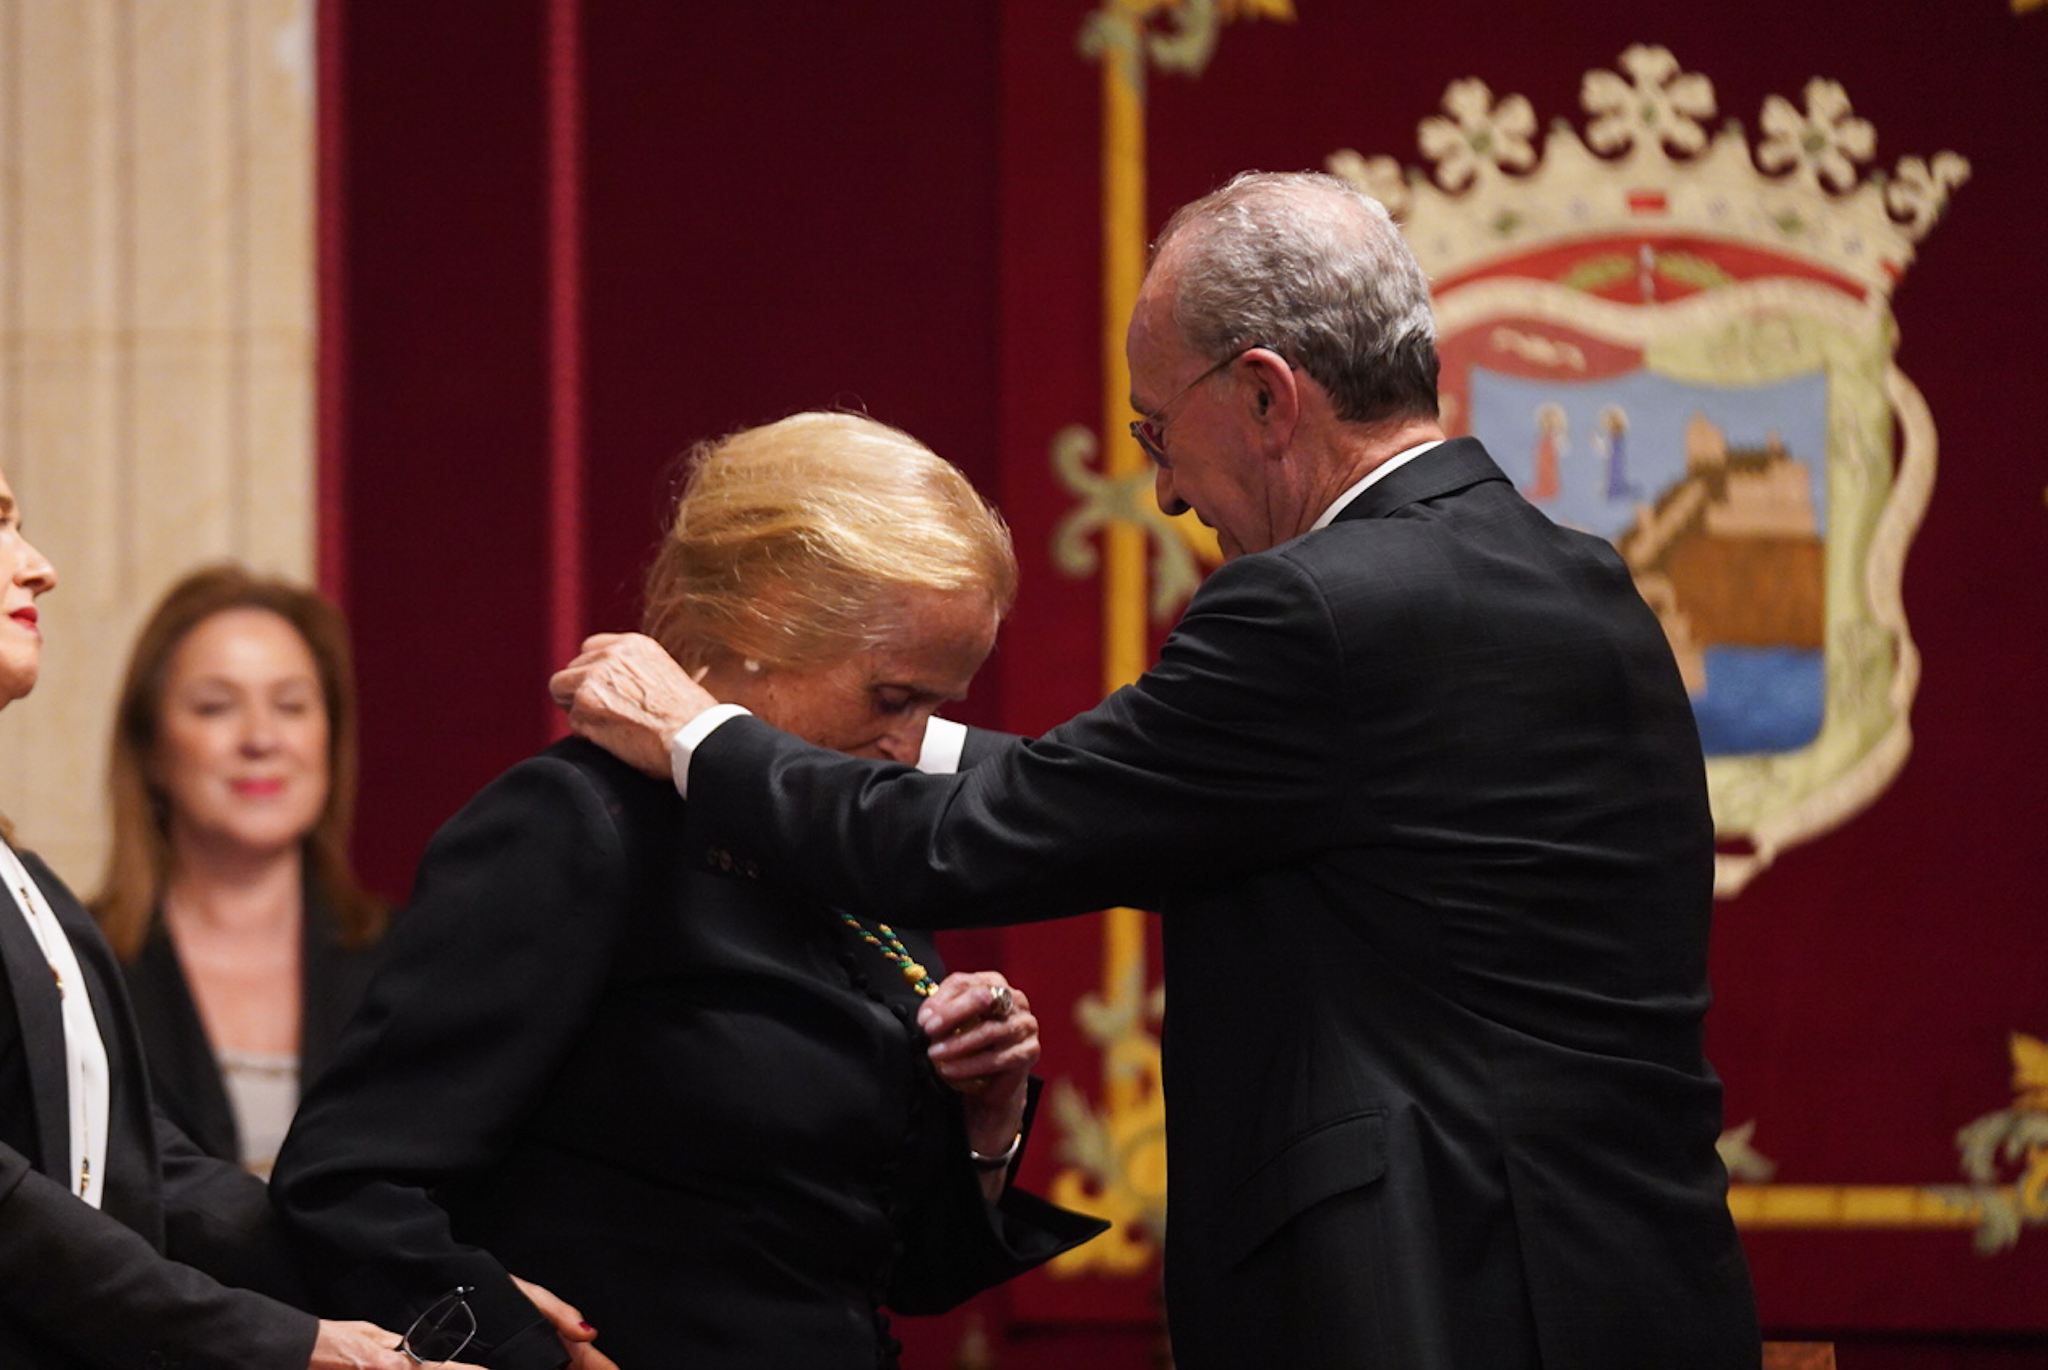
732,1124
120,1242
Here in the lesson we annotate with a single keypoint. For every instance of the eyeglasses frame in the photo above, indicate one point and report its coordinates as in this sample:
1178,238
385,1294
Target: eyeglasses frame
1150,432
459,1297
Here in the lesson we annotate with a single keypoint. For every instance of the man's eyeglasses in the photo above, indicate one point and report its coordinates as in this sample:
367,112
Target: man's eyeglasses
1150,431
444,1331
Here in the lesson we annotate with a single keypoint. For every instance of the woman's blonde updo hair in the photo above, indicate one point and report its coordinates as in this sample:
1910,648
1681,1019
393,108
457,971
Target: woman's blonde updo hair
793,543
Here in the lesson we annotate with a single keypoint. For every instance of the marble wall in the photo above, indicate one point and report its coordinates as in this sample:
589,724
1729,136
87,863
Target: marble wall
156,341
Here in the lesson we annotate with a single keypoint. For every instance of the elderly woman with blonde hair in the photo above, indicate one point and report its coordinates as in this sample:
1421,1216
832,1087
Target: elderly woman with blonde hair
735,1123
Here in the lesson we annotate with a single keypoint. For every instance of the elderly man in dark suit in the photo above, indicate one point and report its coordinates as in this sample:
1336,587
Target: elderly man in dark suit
1418,794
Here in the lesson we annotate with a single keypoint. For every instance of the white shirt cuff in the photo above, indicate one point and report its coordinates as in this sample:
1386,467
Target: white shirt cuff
691,736
944,740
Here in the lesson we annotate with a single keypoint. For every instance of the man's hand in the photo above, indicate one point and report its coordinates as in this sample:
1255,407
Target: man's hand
628,696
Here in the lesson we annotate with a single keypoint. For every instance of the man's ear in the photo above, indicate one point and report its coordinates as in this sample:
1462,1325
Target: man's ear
1277,405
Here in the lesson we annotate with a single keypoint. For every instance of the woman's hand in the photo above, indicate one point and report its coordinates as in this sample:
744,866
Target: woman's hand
362,1346
984,1043
576,1334
366,1346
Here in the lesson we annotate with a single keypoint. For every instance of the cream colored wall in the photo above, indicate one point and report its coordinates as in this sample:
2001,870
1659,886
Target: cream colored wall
156,341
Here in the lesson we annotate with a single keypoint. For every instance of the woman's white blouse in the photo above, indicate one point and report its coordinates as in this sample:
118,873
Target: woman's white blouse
85,1052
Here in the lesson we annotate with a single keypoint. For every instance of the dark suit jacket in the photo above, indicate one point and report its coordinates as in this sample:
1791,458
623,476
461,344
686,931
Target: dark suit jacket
82,1287
693,1107
182,1069
1421,800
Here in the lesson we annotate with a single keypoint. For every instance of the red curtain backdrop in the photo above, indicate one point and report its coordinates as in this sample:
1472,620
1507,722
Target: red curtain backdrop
896,208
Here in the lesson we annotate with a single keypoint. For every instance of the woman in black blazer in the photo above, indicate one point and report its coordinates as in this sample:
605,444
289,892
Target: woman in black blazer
733,1124
121,1240
245,939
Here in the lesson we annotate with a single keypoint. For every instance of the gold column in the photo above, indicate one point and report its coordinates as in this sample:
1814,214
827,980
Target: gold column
1115,1154
1124,240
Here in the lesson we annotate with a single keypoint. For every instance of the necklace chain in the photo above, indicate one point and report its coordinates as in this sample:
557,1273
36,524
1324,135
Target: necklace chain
84,1114
891,946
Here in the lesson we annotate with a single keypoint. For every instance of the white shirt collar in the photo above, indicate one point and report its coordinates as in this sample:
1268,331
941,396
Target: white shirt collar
1385,468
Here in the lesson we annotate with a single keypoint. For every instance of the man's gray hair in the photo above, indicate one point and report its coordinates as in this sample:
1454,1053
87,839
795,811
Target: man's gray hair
1305,264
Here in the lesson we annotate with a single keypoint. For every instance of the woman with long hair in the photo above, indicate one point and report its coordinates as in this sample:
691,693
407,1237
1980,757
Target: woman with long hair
244,935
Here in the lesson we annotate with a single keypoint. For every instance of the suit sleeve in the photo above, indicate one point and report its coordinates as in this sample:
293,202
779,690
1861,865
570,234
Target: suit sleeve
1220,759
218,1217
487,982
956,1244
76,1282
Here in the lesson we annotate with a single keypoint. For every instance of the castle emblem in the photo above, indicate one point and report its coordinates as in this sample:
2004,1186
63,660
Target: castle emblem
1685,345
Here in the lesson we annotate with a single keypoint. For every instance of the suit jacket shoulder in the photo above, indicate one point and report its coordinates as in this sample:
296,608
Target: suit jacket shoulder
437,1077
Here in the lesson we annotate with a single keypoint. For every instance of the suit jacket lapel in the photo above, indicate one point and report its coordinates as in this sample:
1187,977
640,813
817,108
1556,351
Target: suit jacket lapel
331,984
103,982
41,1018
1458,463
133,1187
180,1058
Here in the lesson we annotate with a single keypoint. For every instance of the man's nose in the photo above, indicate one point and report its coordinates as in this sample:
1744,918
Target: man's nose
1170,504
